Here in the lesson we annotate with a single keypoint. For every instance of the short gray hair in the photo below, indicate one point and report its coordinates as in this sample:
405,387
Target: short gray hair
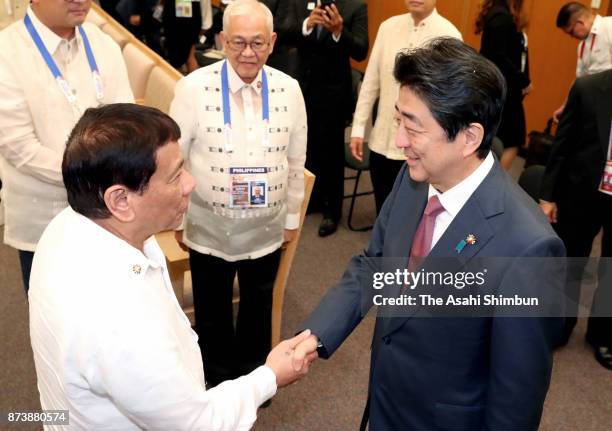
247,7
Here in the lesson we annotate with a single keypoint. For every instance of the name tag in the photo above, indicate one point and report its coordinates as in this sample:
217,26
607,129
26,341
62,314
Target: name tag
248,187
183,9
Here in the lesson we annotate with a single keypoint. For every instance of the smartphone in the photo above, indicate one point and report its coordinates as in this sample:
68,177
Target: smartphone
326,3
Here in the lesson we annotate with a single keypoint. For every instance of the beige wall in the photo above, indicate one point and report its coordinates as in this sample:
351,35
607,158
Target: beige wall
552,54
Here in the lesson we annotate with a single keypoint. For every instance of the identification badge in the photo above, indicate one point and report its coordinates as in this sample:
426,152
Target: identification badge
248,187
183,9
606,179
311,5
158,11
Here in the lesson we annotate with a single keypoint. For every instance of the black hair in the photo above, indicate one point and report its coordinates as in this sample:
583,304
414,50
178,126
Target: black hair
113,144
567,11
458,85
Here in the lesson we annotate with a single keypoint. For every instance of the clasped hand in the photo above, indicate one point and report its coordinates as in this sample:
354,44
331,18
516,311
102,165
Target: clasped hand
290,360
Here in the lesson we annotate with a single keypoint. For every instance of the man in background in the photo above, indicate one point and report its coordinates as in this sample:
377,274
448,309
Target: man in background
575,196
595,35
329,34
243,127
111,343
53,66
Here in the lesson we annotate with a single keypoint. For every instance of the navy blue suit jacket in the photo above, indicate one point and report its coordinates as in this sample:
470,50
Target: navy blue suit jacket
454,374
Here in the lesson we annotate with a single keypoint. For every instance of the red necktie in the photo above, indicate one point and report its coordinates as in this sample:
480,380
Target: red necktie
421,245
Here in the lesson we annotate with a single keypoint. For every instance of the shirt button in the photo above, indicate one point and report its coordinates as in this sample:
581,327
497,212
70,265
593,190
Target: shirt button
250,154
227,233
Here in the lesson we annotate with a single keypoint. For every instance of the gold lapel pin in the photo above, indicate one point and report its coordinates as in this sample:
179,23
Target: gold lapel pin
136,269
471,239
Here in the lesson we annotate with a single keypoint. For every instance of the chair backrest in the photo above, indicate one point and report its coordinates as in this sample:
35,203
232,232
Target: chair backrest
119,35
95,18
159,91
531,180
139,66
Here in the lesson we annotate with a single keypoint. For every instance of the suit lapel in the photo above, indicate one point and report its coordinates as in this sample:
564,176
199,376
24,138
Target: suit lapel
487,201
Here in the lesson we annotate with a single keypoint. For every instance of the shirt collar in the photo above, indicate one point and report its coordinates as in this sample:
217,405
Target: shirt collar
431,17
236,83
118,253
454,198
49,38
596,23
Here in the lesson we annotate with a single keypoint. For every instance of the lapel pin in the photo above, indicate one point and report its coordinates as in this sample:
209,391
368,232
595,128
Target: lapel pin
136,269
469,240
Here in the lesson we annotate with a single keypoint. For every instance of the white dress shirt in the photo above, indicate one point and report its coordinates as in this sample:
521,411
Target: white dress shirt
112,345
454,198
394,34
212,227
37,118
596,55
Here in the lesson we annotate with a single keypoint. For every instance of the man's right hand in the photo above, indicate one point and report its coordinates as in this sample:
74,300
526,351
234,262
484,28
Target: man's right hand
357,148
550,210
316,18
281,360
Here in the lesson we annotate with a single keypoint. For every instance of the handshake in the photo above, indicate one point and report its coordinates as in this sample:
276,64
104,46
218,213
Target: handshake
291,359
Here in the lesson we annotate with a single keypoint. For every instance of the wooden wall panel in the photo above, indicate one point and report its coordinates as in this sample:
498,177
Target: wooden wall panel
552,52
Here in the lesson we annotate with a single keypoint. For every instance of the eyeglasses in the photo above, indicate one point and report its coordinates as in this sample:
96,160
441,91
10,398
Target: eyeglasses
240,45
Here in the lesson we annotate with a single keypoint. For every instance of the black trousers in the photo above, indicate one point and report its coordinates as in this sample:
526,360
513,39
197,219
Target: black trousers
383,172
325,159
581,216
25,261
229,352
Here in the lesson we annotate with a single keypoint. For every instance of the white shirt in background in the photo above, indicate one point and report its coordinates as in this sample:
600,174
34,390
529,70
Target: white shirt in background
37,118
112,345
394,34
211,226
596,55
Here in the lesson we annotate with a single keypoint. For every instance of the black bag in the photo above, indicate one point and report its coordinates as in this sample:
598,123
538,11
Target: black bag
540,144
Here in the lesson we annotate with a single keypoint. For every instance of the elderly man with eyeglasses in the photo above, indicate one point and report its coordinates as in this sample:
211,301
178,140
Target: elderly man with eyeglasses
243,128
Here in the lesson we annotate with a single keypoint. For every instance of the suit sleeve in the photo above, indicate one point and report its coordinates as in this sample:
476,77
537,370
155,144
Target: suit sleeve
520,358
354,36
568,134
345,304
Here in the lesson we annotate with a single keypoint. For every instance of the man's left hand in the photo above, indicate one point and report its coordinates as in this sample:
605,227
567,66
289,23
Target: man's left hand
333,20
289,235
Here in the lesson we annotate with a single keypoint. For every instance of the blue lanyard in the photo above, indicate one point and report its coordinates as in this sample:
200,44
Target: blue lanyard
64,86
227,115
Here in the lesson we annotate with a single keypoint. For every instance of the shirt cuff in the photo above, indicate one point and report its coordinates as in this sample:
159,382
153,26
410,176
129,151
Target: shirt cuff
292,221
305,30
265,379
358,131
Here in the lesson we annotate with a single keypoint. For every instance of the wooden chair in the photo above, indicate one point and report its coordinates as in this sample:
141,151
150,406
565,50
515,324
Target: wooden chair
159,91
139,67
119,35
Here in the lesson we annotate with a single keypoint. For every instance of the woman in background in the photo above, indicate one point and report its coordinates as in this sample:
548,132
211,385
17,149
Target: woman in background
504,42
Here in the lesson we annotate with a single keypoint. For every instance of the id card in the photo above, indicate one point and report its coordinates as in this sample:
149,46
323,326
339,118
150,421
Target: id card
248,187
606,179
183,9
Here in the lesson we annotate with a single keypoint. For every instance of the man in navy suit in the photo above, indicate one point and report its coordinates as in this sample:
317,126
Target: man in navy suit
451,373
